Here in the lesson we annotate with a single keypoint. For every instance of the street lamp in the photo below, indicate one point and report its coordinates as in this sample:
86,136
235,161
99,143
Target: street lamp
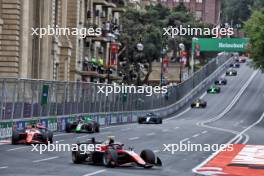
110,38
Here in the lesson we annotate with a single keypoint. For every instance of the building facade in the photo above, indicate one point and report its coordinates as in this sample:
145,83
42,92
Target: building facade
52,57
206,10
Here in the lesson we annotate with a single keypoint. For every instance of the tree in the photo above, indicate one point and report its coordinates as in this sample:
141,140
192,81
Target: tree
254,29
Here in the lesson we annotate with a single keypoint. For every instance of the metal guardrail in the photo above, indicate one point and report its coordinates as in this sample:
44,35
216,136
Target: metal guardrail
21,98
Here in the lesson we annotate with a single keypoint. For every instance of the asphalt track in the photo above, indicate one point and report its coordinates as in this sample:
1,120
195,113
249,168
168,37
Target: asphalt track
238,108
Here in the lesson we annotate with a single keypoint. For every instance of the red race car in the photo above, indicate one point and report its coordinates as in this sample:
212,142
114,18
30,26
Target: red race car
111,154
31,135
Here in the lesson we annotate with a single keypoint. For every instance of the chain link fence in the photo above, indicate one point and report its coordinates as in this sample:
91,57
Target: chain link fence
24,98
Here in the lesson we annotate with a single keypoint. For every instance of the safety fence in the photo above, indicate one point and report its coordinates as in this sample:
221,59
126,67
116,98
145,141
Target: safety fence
54,103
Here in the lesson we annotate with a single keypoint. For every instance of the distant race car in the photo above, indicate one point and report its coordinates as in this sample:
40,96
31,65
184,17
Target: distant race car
150,118
199,103
83,125
214,89
221,81
234,65
113,154
241,59
31,135
231,72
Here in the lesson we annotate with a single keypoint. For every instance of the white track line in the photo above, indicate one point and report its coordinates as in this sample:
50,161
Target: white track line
17,148
94,173
3,167
150,134
185,139
45,159
133,138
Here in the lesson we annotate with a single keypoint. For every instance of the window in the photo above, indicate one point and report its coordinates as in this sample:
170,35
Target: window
186,0
199,1
198,15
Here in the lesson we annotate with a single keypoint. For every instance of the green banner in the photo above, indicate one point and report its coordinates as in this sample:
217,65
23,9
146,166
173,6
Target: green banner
224,44
45,94
5,129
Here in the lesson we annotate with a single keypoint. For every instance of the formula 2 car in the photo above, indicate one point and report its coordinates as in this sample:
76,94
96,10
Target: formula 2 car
199,103
231,72
241,59
32,135
83,125
214,89
112,154
234,65
221,81
150,118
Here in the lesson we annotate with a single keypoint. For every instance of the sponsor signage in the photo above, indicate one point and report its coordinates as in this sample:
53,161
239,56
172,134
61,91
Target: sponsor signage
5,129
220,44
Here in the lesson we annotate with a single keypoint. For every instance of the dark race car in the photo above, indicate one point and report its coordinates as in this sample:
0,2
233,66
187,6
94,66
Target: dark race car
112,154
34,134
234,65
214,89
83,125
231,72
221,81
150,118
199,103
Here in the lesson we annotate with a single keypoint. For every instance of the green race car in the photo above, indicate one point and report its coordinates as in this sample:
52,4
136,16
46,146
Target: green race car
214,89
83,125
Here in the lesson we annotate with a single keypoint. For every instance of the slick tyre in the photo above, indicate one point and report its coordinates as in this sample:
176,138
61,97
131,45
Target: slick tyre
15,138
97,128
77,157
68,128
148,156
110,158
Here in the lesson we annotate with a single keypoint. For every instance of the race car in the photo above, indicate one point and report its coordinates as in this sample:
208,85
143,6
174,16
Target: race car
83,125
231,72
214,89
112,154
33,134
234,160
199,103
234,65
150,118
221,81
241,59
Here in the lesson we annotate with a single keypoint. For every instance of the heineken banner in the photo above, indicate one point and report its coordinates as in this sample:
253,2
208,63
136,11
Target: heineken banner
5,129
220,44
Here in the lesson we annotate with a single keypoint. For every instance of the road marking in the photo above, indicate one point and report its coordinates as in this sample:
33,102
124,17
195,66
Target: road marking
62,134
176,128
60,140
196,135
203,132
4,167
125,129
203,95
165,130
155,151
133,138
94,173
178,115
17,148
150,134
82,136
186,139
45,159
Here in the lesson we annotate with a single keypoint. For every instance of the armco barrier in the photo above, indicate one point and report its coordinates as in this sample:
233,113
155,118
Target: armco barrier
58,123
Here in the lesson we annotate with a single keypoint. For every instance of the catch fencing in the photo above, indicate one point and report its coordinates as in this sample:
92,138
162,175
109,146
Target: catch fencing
25,98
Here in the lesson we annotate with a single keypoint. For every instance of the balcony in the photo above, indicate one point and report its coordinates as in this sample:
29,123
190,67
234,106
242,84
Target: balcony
100,2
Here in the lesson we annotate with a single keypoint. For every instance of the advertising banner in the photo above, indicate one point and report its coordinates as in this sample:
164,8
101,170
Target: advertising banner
5,129
52,124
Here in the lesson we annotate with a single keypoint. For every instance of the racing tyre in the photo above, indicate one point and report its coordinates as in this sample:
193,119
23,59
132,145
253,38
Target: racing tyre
160,121
68,128
15,137
77,157
148,156
97,129
110,158
50,137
